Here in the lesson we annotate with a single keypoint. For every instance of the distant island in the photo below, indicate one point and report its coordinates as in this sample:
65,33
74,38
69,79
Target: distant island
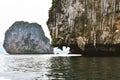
26,38
2,51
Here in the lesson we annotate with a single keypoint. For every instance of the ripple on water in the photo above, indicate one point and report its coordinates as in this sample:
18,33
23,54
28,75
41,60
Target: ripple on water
48,67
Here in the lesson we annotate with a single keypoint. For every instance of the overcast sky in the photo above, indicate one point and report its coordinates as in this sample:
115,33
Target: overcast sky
23,10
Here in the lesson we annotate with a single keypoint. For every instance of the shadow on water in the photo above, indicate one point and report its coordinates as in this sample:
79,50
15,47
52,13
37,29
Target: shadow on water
82,68
39,67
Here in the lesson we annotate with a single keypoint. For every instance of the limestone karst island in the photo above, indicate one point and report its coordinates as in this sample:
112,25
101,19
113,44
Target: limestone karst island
88,27
26,38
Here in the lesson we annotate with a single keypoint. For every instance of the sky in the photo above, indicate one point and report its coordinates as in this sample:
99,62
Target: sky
23,10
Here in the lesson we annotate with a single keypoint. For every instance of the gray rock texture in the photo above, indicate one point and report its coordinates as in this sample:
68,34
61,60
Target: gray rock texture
26,38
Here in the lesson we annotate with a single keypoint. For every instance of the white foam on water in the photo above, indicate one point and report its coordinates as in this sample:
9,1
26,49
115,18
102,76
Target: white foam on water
65,50
67,55
61,55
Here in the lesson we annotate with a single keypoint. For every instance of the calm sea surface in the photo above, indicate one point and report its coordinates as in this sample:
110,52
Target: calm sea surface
48,67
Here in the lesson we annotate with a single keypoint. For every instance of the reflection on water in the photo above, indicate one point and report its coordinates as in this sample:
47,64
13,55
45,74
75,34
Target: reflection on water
38,67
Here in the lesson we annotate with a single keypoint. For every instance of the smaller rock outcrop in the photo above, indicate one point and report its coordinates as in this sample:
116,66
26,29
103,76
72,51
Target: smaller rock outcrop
26,38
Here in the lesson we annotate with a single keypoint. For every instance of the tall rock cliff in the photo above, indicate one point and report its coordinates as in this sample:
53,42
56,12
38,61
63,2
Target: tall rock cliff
81,22
26,38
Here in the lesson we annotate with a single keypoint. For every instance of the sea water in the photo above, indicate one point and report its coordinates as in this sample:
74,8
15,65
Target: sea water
53,67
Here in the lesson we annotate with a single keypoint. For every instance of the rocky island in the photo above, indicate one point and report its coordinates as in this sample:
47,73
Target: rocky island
86,26
26,38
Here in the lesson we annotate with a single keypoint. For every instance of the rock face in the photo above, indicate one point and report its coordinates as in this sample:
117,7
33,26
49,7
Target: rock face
26,38
81,22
